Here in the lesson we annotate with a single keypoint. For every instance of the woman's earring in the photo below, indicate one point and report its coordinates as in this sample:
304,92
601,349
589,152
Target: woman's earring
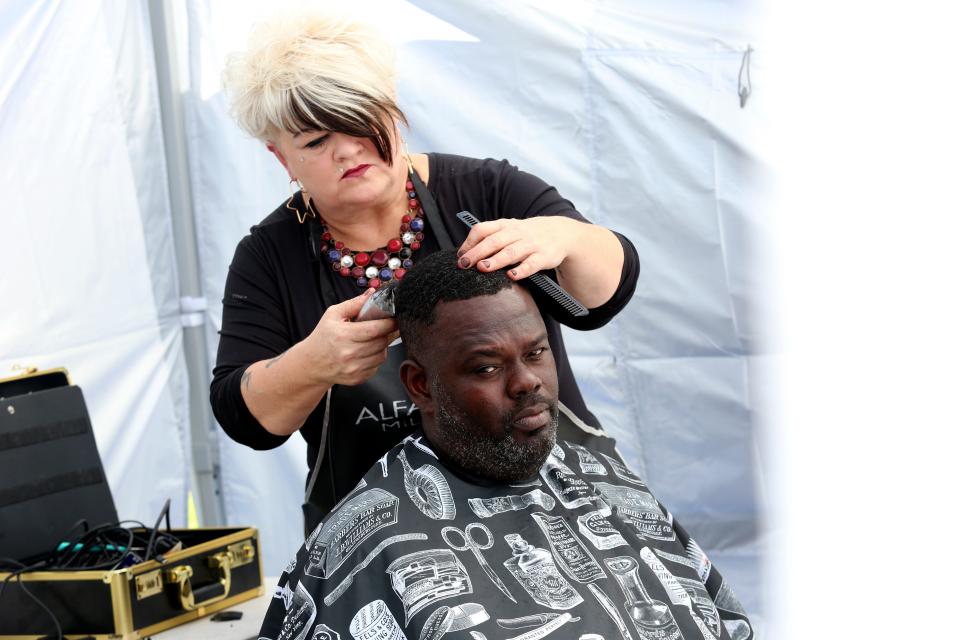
406,154
308,210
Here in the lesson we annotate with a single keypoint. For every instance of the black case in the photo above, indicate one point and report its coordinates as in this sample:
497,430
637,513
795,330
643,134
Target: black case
216,569
51,474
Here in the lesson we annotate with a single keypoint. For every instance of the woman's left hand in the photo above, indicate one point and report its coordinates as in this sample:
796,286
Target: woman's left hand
573,248
529,245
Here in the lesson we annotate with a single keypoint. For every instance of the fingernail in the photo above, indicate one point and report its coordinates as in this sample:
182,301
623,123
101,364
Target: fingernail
513,272
485,263
464,263
459,252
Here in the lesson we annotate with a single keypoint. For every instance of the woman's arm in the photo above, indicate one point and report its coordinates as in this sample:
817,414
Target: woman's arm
283,391
265,383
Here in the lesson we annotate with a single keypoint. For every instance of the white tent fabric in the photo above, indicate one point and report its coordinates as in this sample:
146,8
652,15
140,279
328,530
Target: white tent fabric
632,112
89,274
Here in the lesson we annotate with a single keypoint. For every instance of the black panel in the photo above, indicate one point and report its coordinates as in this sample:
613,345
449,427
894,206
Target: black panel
51,475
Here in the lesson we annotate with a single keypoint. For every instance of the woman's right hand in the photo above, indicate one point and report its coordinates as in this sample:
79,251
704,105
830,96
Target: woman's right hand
346,352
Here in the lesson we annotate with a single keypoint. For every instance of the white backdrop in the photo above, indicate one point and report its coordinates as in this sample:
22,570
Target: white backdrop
631,111
89,276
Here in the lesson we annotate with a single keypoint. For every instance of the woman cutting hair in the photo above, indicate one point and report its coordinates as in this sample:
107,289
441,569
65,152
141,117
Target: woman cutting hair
319,91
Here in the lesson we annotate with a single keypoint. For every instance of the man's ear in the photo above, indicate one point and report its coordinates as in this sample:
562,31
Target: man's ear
414,378
279,156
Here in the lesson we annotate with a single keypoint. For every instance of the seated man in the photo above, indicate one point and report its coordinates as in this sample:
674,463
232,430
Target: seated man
483,525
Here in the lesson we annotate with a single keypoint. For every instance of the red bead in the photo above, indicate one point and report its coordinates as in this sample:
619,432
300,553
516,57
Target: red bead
414,245
404,227
357,272
338,245
374,282
399,273
405,219
394,245
345,271
414,204
409,185
326,236
379,257
361,259
420,237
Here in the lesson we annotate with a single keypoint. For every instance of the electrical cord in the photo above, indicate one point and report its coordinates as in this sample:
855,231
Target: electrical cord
165,511
18,574
110,546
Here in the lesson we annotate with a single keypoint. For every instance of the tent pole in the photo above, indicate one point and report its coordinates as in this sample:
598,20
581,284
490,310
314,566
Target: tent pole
205,472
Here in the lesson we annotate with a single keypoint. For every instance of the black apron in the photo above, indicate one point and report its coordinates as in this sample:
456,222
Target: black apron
364,421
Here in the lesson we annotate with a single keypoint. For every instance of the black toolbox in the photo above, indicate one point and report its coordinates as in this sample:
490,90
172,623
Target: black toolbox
216,569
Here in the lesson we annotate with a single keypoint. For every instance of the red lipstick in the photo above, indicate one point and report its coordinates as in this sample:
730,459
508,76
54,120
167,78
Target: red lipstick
355,172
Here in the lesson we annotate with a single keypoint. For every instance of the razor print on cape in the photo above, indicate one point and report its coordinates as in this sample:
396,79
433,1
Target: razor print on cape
445,619
546,629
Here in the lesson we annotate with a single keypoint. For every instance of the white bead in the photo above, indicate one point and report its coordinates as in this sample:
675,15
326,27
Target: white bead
408,237
346,261
394,263
372,272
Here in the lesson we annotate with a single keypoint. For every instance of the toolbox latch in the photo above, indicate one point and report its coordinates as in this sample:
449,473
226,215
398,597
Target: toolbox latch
149,584
241,553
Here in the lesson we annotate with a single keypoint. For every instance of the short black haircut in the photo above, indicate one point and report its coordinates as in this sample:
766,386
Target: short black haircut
435,279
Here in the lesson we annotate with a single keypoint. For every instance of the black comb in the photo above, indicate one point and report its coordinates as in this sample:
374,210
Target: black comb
545,283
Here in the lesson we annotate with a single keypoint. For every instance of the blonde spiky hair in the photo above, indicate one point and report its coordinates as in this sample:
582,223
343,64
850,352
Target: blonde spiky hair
315,70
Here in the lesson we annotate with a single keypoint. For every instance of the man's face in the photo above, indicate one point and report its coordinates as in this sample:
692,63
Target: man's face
493,385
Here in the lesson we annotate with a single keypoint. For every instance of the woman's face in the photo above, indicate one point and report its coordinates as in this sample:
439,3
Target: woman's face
338,171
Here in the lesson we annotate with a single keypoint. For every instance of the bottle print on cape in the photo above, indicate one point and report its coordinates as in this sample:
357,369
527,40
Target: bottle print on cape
536,571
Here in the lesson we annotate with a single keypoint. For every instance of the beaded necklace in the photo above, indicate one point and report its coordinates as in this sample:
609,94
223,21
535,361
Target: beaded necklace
373,268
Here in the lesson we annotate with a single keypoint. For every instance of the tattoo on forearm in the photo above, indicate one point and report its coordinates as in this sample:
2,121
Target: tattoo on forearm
272,361
245,379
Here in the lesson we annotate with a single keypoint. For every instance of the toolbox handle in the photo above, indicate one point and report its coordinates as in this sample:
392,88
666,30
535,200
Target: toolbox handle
180,576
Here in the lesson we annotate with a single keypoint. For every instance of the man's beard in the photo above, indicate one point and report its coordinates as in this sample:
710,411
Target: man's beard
479,453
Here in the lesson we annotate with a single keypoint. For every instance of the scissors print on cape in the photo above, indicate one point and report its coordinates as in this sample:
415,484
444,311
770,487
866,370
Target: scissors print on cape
468,542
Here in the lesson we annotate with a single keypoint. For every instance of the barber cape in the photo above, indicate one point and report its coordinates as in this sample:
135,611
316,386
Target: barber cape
583,551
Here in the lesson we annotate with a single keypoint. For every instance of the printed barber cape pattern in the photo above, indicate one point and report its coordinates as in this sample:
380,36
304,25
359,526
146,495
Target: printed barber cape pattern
584,551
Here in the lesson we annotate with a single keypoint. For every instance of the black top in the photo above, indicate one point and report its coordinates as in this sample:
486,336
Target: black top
274,297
